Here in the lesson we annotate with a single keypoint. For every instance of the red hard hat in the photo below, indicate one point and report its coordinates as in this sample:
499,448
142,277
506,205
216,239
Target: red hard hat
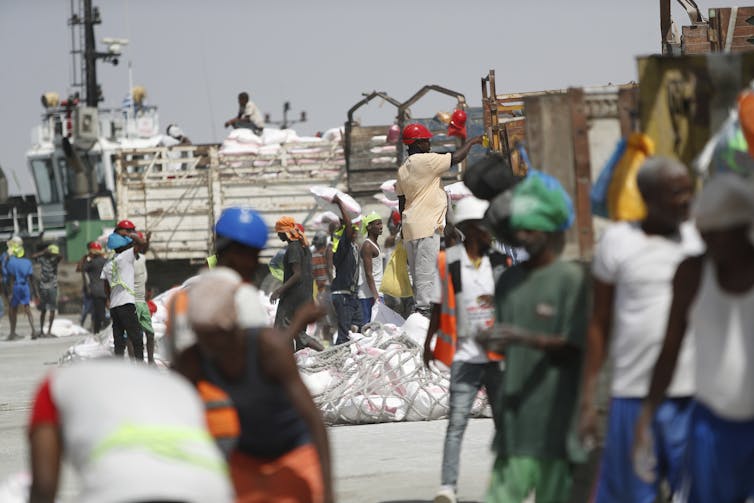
140,234
458,118
95,246
414,132
126,224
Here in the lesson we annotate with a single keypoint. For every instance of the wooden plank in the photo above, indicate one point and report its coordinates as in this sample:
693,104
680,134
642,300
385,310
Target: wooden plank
549,138
628,104
582,173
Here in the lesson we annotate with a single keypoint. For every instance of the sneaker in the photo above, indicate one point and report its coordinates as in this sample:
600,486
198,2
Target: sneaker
446,494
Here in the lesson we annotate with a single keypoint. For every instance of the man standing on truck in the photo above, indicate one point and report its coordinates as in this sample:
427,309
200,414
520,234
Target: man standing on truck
423,205
48,260
632,271
248,117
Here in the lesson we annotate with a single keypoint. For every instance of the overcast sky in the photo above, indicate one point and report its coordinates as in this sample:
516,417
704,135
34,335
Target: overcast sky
194,56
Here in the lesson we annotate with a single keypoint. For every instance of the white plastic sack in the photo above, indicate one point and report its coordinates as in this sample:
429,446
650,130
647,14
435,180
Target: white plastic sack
317,383
66,328
325,196
383,314
390,203
334,134
458,191
321,221
246,136
416,328
375,406
274,136
388,188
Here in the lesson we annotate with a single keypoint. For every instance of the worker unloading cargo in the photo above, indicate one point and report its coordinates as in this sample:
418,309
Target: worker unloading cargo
423,205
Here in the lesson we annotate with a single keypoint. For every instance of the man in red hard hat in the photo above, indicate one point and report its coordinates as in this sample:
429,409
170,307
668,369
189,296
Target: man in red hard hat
423,205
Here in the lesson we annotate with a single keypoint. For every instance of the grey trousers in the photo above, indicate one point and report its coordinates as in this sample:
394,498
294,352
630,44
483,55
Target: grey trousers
465,381
422,263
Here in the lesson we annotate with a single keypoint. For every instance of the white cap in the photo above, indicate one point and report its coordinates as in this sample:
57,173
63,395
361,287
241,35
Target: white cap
726,201
174,131
469,208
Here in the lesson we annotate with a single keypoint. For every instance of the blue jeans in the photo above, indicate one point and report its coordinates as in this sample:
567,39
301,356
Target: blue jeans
366,310
466,379
348,312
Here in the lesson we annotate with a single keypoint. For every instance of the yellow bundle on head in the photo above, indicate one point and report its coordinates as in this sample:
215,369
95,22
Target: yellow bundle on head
624,201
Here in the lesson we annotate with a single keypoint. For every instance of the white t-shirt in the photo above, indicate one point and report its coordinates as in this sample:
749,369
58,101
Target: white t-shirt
119,271
724,344
140,278
117,442
251,111
475,308
641,268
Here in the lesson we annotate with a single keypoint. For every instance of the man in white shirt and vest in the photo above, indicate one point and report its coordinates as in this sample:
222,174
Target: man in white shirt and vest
463,307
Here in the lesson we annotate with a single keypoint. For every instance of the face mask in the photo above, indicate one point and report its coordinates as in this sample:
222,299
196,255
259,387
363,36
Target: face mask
535,246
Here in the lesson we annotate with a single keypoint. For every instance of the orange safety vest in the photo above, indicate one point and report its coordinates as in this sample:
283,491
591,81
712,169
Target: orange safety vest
447,333
222,418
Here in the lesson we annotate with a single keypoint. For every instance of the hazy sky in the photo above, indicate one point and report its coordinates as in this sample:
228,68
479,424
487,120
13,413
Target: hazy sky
194,56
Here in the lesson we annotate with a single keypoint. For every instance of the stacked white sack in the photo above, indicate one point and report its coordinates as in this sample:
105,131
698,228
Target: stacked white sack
325,195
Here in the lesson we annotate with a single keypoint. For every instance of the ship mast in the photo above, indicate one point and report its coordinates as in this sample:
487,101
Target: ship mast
84,53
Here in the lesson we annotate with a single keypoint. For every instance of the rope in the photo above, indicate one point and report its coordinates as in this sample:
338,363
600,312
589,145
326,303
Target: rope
380,378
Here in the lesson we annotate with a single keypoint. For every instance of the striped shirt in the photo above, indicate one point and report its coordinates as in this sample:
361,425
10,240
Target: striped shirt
319,268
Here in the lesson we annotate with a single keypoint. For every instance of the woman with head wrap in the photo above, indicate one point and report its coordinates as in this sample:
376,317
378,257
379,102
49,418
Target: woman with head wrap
275,438
370,273
541,317
713,294
298,285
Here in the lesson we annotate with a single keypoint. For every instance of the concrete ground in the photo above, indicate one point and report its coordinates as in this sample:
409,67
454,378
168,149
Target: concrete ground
381,463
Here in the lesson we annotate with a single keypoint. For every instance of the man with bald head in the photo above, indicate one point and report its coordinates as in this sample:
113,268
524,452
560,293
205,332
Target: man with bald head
633,270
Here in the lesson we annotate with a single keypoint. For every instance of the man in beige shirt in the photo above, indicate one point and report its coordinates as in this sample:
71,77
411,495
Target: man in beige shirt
423,205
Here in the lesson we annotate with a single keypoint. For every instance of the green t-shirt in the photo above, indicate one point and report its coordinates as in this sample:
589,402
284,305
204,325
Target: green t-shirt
540,390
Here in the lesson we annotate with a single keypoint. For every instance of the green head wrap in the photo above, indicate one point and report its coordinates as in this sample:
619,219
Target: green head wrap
539,206
372,217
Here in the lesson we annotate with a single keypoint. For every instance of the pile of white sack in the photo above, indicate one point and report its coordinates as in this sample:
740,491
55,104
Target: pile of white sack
244,141
377,377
